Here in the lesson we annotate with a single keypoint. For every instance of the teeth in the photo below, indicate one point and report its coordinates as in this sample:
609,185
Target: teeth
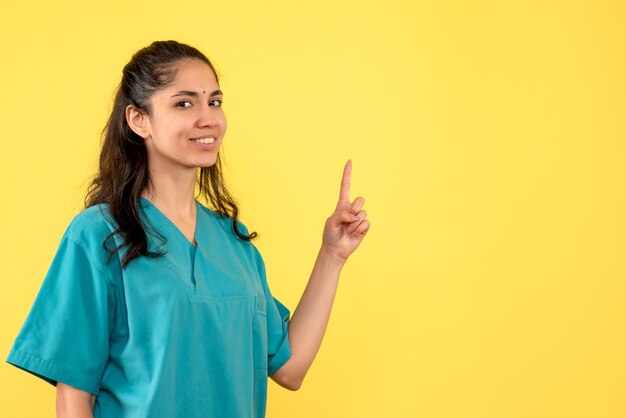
209,140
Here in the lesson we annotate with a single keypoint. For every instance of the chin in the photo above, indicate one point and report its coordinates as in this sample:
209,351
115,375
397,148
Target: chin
205,164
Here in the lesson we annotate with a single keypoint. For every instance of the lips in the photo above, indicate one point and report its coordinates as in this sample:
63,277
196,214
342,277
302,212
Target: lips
204,140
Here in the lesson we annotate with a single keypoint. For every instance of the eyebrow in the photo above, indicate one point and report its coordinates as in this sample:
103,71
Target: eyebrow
196,94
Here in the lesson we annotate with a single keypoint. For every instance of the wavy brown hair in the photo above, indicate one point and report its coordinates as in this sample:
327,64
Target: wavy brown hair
123,169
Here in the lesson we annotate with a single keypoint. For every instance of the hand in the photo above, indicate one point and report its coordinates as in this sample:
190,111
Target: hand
346,227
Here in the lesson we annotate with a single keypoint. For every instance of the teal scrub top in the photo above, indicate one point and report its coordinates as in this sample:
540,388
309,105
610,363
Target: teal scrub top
194,333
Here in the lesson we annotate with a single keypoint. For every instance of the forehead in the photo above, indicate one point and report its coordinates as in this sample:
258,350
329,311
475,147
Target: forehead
193,75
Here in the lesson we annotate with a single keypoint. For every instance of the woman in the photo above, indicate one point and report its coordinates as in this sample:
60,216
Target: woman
155,305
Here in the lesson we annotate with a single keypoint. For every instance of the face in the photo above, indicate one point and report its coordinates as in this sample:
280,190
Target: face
185,116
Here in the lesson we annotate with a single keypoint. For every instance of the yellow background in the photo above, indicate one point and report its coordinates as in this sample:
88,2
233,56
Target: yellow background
487,137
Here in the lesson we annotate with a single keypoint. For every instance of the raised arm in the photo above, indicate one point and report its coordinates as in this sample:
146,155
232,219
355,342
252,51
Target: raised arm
343,232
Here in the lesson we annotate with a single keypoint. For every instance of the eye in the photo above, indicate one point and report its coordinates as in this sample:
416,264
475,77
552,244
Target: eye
218,101
185,103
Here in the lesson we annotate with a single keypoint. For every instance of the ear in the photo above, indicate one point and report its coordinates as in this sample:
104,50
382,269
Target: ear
138,121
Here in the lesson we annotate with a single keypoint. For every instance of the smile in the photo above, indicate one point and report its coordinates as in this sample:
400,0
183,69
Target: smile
208,140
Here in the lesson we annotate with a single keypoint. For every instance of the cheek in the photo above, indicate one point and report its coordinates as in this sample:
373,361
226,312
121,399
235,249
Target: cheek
178,126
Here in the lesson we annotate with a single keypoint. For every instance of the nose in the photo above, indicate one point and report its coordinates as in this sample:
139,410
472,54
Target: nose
207,117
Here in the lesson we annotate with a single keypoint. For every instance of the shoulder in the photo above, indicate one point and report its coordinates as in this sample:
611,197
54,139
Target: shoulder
225,221
226,225
89,229
94,222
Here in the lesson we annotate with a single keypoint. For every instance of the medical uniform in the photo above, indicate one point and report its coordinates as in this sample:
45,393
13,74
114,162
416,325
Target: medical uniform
194,333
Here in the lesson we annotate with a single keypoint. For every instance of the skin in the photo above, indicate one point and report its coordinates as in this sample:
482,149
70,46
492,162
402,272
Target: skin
173,162
73,403
344,231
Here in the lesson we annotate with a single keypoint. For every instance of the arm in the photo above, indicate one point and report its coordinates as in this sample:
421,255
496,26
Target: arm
308,322
343,232
73,403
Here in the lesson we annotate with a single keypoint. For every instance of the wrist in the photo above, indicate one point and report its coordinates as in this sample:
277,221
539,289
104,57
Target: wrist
331,258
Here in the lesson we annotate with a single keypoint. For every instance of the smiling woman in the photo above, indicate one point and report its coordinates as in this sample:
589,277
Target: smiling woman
183,114
160,108
171,313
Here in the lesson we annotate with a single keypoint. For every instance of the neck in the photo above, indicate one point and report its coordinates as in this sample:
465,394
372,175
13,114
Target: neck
173,191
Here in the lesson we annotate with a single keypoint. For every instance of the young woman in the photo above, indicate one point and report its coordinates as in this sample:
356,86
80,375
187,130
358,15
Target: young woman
155,305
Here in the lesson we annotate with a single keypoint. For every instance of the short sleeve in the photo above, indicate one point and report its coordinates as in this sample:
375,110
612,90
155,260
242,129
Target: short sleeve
279,349
65,337
278,316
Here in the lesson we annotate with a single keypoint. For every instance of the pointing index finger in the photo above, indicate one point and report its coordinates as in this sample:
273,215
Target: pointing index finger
344,193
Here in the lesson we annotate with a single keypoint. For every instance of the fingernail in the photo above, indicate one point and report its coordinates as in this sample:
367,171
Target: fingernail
355,218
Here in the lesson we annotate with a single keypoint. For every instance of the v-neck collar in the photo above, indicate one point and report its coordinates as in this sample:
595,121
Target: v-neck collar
173,225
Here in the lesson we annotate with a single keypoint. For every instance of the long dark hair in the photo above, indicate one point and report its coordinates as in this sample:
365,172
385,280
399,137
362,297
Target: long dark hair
123,171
